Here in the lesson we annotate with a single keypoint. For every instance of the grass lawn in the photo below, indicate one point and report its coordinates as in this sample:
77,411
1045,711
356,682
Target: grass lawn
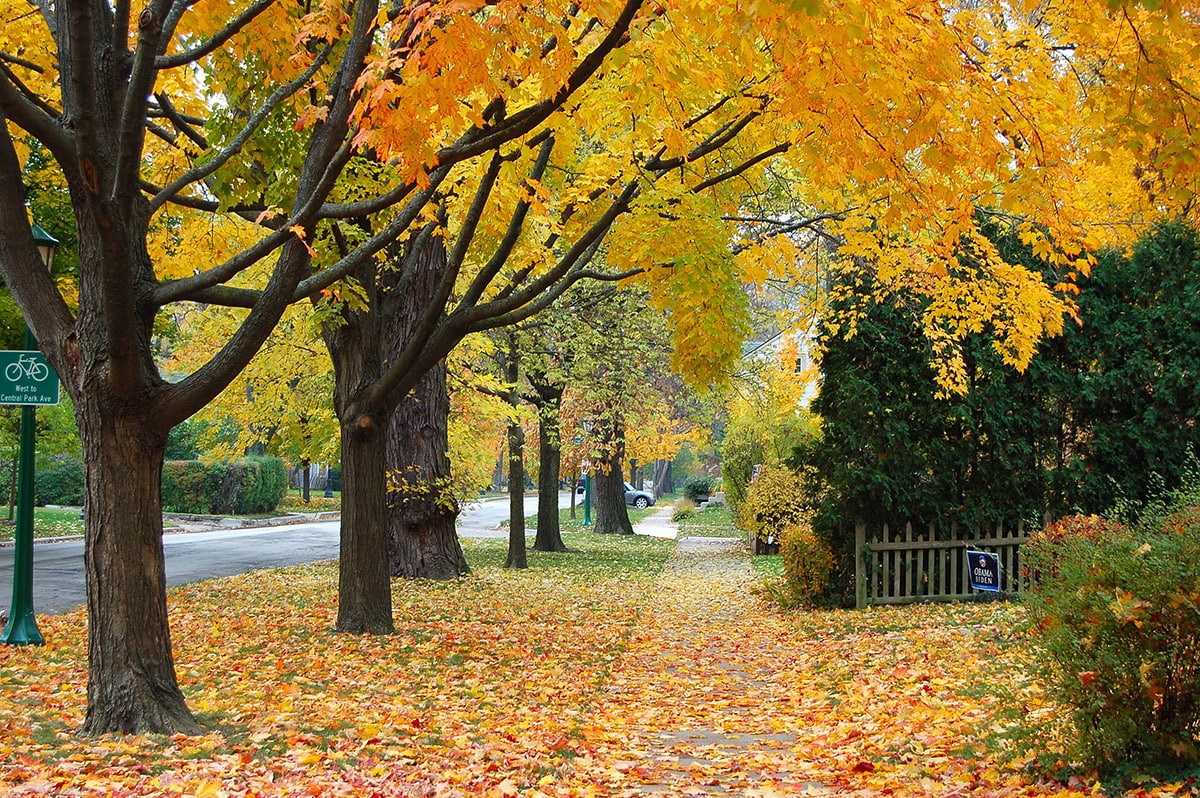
48,523
711,522
294,502
619,668
569,525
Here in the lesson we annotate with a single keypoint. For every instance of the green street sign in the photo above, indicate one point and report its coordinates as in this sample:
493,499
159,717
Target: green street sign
27,379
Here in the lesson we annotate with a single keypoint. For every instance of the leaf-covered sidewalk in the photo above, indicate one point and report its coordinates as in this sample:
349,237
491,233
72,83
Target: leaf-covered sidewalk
602,671
717,693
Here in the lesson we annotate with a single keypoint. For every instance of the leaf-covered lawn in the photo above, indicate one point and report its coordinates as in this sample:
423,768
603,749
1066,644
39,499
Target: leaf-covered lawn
711,522
48,522
596,672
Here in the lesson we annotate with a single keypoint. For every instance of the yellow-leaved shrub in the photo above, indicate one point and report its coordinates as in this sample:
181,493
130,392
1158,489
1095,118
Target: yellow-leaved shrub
807,565
774,500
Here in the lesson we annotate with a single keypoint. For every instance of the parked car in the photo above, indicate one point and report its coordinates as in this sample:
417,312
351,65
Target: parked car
640,499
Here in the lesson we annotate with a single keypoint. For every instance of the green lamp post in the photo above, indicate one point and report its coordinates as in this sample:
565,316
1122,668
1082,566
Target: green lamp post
22,626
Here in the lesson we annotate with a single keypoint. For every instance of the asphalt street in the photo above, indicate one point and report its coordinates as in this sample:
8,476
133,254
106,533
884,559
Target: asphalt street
58,577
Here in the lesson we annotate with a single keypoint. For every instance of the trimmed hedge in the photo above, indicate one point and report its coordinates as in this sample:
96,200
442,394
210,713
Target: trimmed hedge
699,487
242,487
60,483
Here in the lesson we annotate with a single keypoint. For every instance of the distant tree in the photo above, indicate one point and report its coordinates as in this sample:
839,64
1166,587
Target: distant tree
1104,416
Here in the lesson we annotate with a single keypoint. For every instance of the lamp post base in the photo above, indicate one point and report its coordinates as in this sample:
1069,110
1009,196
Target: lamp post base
22,629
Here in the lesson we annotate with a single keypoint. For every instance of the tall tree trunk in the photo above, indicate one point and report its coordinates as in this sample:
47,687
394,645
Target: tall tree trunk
422,539
608,485
131,673
663,483
305,481
549,529
575,476
364,588
517,557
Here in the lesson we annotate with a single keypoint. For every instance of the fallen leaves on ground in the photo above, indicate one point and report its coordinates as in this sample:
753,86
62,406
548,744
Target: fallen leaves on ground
597,672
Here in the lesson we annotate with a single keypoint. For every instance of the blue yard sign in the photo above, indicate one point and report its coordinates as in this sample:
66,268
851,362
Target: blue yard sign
984,570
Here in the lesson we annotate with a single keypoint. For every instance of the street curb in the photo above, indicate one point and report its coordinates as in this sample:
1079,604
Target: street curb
214,524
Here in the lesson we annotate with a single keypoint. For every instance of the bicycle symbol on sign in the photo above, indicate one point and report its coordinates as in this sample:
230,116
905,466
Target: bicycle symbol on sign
26,366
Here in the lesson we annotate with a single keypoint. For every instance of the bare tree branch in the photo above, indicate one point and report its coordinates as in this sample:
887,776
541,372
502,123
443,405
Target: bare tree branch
239,141
219,38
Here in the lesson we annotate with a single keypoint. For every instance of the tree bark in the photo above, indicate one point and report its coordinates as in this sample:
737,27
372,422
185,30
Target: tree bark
575,477
663,482
131,674
364,588
608,486
422,538
549,528
517,556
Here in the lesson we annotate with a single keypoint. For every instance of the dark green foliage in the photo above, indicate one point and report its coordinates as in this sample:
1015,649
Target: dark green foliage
183,442
245,487
266,486
1103,416
893,449
184,487
60,483
1131,423
698,488
1117,613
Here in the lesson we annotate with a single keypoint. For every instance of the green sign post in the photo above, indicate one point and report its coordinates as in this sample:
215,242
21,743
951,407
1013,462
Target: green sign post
27,380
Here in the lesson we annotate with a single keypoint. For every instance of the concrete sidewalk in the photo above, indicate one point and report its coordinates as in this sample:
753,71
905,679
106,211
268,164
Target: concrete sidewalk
658,524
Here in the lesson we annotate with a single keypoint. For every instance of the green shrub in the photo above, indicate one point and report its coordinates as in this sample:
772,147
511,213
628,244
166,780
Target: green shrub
61,483
684,509
775,500
742,449
698,488
243,487
807,564
184,487
225,486
265,485
1117,611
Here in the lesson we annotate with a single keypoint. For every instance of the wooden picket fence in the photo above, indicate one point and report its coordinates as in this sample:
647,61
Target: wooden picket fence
902,565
